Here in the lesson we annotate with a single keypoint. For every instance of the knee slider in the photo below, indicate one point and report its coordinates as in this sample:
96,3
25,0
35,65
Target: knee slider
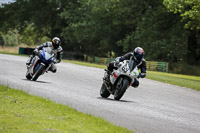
54,71
135,83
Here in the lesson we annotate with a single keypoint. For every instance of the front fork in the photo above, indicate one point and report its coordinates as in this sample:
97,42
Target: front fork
107,82
46,70
32,65
119,83
112,88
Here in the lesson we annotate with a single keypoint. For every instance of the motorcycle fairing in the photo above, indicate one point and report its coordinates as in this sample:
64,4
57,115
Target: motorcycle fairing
124,70
45,56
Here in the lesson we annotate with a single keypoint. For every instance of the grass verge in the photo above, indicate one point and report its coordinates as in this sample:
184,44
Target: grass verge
21,112
192,82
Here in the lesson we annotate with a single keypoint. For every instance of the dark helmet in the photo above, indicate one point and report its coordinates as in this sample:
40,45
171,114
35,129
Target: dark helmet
56,42
138,53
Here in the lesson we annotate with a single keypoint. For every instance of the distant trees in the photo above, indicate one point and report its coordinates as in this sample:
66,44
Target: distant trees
160,33
189,10
167,30
9,39
31,37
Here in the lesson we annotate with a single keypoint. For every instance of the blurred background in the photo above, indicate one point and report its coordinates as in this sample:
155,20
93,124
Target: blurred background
167,30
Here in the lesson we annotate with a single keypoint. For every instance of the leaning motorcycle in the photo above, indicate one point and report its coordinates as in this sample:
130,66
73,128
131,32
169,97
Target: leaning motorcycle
120,79
40,64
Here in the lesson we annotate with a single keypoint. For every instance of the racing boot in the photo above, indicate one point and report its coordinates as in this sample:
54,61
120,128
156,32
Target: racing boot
135,83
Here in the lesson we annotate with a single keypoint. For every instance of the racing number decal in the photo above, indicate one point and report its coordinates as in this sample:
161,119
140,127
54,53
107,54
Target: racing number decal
125,68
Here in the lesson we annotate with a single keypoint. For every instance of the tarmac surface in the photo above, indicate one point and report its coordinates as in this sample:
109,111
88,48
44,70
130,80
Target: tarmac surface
153,107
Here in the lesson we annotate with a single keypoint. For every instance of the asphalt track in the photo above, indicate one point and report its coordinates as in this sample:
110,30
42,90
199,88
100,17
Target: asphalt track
154,107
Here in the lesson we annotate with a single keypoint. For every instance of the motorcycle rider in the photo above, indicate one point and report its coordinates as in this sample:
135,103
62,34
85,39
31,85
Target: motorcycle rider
56,48
138,57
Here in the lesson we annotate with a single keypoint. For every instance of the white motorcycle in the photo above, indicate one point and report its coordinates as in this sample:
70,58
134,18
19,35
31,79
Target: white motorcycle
120,79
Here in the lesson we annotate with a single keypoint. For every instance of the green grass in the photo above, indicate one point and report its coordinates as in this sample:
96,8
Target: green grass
11,53
23,113
192,82
86,64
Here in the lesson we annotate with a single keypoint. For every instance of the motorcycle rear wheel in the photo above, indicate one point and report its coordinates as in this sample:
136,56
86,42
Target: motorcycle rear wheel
38,72
120,91
104,92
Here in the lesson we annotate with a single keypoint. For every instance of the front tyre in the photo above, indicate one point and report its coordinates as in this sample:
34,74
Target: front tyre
104,92
121,90
38,72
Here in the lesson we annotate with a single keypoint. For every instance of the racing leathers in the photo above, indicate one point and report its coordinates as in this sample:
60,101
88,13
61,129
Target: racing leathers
141,64
57,54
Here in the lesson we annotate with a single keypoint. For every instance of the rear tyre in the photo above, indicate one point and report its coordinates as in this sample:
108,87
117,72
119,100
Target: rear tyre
38,72
104,92
28,76
120,91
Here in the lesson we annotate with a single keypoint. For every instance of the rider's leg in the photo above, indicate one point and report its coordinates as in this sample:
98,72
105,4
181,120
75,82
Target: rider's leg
135,83
29,60
110,66
109,71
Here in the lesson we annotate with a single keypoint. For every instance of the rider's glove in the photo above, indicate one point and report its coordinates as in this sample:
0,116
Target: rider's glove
35,51
116,61
116,64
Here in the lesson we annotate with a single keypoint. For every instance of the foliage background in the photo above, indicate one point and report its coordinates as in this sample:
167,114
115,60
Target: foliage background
168,30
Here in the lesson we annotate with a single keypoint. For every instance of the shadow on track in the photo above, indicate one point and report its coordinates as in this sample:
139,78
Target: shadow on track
36,81
110,99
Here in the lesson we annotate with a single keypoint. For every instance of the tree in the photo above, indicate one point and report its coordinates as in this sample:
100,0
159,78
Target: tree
30,36
8,39
160,34
189,10
101,24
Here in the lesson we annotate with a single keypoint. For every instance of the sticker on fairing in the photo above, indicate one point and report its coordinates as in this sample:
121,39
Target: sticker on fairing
135,73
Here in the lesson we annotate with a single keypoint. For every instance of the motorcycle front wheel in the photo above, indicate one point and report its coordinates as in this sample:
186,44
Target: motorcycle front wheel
38,72
104,92
121,90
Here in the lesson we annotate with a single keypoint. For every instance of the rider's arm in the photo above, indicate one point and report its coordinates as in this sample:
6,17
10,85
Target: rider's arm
143,69
42,45
126,56
46,44
59,55
122,58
